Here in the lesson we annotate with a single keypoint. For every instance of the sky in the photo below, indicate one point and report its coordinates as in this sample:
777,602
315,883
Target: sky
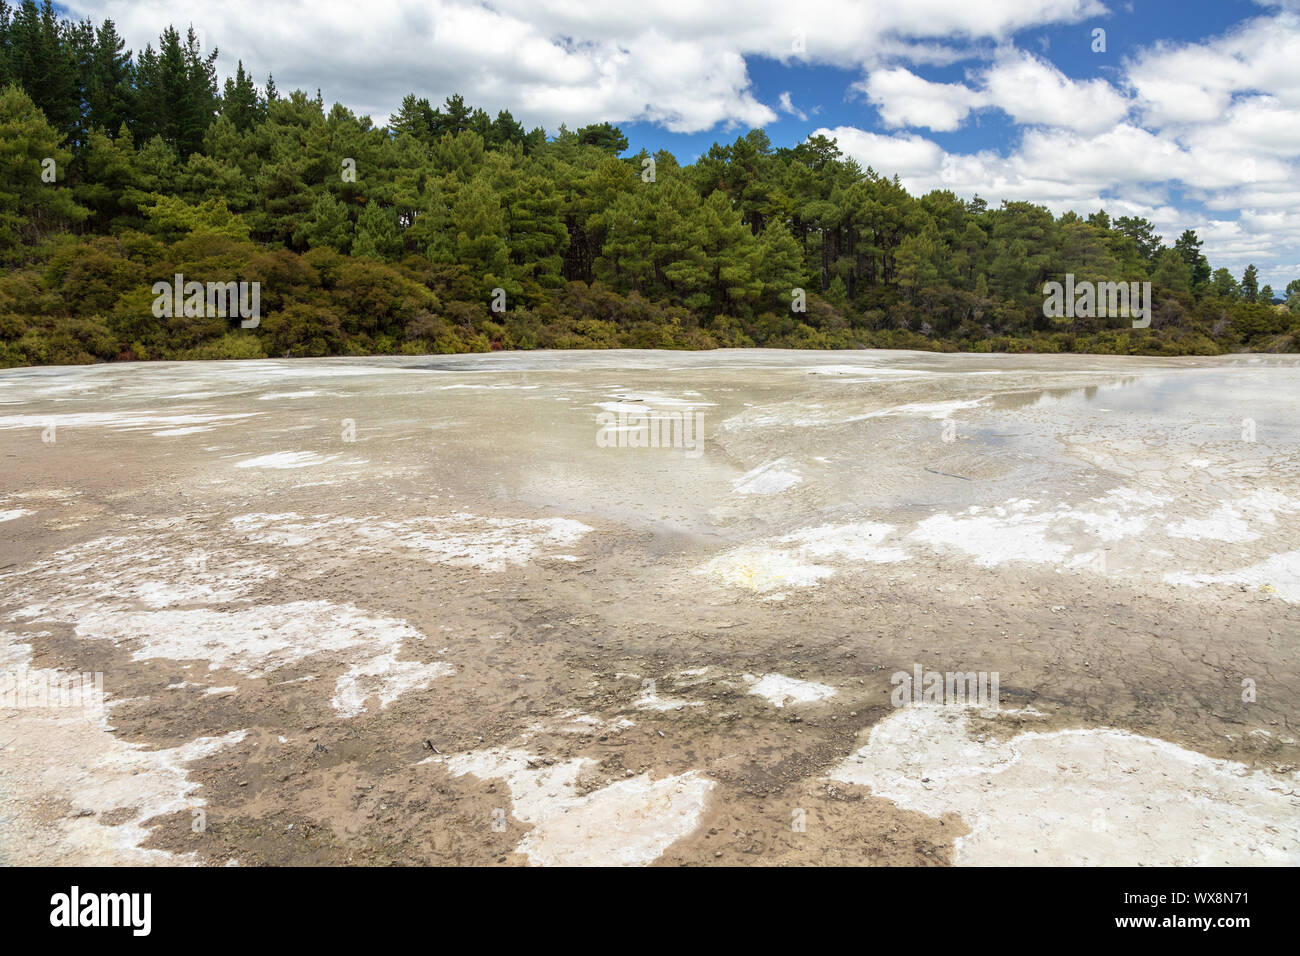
1186,113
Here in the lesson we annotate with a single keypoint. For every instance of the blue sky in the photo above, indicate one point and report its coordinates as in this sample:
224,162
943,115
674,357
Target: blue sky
1191,116
825,93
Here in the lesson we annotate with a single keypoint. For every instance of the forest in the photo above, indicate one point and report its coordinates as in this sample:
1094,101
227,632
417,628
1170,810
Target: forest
448,230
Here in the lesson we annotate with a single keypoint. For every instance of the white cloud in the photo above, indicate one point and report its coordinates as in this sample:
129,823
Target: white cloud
675,62
1028,89
1215,122
1196,82
1031,90
1128,171
786,105
911,157
905,99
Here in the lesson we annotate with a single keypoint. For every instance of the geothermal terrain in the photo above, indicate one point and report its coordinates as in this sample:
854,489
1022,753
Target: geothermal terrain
438,610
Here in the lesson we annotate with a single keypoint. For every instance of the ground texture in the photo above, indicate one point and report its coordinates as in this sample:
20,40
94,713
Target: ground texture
444,611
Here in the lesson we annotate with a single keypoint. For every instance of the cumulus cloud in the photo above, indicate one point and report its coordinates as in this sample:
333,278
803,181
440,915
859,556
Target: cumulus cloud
1031,90
675,62
905,99
1214,123
1028,89
1128,171
1197,82
911,157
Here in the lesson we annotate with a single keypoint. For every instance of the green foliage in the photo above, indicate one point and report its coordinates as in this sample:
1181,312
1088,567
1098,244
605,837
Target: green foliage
395,239
173,219
1224,285
1250,284
603,136
1189,247
176,89
1172,272
327,224
34,197
378,236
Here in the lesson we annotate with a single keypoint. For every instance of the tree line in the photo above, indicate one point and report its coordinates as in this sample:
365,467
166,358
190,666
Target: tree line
450,230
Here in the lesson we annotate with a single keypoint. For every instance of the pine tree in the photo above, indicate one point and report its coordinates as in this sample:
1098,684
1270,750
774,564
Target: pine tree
454,117
158,167
377,236
1224,284
79,41
535,232
1250,284
110,91
177,91
479,229
328,225
505,130
291,159
918,261
42,61
1189,247
110,182
1142,233
1172,272
6,72
481,124
534,141
631,226
172,90
149,107
415,118
240,101
200,101
603,136
31,206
